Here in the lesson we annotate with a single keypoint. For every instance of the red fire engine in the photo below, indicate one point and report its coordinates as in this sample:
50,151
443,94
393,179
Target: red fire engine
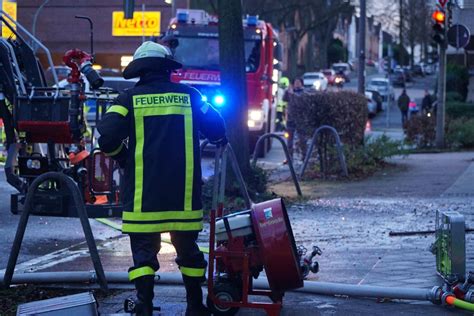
197,47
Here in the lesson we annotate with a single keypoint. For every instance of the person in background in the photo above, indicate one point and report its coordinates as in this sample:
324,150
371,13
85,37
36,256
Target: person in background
403,102
427,103
412,108
281,104
296,89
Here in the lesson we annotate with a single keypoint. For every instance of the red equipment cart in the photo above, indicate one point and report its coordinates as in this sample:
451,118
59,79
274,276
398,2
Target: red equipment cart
244,244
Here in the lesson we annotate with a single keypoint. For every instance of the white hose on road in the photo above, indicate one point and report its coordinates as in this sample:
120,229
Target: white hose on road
310,287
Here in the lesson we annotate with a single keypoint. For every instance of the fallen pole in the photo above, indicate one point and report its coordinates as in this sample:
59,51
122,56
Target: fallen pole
310,287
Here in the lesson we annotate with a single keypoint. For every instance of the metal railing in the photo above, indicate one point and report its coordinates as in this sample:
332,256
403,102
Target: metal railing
322,156
287,154
81,212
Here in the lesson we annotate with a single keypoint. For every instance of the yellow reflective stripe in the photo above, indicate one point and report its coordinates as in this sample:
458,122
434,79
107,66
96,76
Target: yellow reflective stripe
139,272
162,104
169,110
115,152
158,228
189,152
161,100
140,139
119,109
162,215
192,272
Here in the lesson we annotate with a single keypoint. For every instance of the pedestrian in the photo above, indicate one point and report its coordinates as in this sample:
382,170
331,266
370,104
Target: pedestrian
427,103
412,108
403,101
152,130
297,89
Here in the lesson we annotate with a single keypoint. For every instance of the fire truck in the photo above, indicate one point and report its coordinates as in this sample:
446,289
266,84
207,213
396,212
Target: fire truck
196,45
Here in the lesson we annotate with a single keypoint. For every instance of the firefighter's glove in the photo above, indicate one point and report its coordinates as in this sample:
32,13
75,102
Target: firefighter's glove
221,142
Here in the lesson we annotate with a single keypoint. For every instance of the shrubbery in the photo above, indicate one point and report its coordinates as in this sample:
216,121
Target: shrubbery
456,110
457,80
421,131
346,111
460,133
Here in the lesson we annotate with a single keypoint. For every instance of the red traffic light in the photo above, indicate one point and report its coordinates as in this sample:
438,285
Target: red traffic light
439,16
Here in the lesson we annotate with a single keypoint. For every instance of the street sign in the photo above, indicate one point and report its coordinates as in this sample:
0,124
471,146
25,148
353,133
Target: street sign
144,23
9,6
458,36
442,3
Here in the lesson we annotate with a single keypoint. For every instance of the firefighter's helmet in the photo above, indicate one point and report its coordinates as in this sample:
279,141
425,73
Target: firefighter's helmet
284,82
150,57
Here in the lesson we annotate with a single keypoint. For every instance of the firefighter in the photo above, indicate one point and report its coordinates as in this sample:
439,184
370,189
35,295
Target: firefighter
152,130
281,104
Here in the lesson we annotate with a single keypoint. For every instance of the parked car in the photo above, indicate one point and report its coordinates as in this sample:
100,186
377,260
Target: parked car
330,75
61,71
315,81
398,78
408,74
342,68
371,105
418,70
382,86
378,99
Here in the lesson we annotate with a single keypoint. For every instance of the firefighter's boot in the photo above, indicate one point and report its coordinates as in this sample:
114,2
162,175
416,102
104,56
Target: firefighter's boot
144,303
194,307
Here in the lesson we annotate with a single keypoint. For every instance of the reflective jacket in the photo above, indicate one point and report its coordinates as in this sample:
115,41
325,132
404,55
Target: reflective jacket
161,189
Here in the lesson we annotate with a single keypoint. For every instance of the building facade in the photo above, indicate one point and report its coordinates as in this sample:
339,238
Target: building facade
115,39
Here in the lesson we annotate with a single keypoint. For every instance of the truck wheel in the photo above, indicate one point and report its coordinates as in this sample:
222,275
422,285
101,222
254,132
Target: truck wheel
225,292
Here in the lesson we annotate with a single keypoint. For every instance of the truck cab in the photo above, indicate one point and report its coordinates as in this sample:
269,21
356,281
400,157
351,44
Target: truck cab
196,46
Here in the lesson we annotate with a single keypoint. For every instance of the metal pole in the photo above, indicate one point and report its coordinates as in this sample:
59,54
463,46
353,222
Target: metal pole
440,108
361,74
143,22
1,24
33,28
389,76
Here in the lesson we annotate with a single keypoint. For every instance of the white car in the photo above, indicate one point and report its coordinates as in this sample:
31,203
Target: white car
371,105
342,68
315,80
383,87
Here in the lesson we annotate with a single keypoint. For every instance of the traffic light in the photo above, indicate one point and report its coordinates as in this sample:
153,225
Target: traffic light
128,8
439,32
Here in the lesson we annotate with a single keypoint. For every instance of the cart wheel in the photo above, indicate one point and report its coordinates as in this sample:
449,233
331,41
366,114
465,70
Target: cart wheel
225,292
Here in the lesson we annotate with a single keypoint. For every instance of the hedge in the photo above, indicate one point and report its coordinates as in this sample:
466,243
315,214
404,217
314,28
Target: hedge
456,110
346,111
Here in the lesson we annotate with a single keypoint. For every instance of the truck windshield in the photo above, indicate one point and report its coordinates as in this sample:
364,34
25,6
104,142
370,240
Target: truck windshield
203,53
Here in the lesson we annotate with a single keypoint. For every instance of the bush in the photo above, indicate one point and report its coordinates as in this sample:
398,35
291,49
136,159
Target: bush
421,131
460,133
256,186
346,111
453,96
456,110
457,80
362,160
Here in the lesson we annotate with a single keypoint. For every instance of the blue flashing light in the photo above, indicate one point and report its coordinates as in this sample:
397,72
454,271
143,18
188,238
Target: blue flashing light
218,100
182,17
204,98
252,20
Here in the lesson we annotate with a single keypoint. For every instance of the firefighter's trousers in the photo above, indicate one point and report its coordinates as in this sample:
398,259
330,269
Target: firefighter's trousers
145,247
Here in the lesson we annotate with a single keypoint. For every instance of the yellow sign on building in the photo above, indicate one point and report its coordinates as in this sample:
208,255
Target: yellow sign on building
9,7
143,24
